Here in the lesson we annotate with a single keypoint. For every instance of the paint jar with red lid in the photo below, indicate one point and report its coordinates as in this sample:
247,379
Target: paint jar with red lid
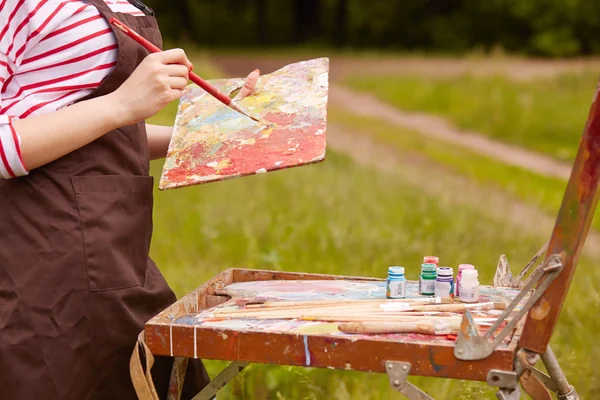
431,260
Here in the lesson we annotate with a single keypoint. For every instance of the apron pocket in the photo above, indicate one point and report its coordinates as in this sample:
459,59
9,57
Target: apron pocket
116,223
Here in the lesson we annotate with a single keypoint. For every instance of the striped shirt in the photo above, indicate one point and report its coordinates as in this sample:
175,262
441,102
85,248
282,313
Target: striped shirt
52,53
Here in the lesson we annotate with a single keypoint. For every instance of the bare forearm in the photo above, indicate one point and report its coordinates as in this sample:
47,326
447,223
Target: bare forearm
158,140
157,81
48,137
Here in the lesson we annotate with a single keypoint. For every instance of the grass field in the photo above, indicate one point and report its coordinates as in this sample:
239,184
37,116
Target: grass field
546,115
343,218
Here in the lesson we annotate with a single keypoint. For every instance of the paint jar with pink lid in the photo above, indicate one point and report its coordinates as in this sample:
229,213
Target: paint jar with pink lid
461,268
469,286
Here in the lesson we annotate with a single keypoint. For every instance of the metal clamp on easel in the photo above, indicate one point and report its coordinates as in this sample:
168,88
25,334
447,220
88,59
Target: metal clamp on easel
397,373
471,346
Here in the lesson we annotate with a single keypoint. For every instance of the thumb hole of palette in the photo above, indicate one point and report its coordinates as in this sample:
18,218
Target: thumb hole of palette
234,92
212,142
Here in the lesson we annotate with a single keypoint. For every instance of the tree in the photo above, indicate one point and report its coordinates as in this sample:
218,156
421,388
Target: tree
340,23
185,17
306,21
261,21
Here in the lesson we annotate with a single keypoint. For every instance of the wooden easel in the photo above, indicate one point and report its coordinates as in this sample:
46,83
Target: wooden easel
473,357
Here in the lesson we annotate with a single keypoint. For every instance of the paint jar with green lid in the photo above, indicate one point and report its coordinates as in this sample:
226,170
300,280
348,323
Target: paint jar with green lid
427,279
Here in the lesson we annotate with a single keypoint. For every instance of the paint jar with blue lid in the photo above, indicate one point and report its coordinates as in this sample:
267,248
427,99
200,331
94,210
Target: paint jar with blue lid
444,282
396,283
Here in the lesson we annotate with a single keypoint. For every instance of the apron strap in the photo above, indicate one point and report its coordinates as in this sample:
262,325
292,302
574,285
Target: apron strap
142,382
142,378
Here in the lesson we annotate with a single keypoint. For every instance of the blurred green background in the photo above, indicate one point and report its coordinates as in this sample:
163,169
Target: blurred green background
550,27
463,86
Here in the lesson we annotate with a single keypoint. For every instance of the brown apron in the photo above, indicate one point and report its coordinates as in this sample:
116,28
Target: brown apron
76,282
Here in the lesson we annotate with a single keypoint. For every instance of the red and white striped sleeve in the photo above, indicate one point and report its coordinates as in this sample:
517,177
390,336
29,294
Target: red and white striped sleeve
52,53
13,33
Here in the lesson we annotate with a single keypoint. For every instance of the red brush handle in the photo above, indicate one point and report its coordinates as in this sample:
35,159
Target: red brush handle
213,91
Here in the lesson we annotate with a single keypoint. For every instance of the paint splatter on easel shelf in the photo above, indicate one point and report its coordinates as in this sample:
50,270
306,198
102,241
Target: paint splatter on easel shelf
212,142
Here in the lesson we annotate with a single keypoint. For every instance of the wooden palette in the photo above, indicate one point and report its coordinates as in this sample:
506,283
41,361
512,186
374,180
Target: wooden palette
212,142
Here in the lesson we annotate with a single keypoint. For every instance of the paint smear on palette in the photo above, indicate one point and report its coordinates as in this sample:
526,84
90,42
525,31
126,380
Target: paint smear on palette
310,290
251,292
212,142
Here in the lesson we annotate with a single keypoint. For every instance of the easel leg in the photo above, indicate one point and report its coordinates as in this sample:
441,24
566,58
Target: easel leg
564,391
177,378
536,382
230,372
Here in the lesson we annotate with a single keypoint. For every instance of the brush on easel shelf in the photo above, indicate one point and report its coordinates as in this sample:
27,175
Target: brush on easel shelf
370,311
425,327
372,307
310,303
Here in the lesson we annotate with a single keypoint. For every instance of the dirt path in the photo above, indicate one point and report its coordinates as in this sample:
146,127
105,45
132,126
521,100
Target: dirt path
429,125
426,124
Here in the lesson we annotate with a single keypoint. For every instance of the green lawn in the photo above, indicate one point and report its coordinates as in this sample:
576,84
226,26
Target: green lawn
342,218
546,115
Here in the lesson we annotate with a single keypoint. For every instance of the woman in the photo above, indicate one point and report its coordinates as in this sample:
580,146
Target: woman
76,283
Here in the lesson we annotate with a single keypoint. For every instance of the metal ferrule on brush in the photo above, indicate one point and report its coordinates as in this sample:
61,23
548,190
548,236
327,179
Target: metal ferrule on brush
233,105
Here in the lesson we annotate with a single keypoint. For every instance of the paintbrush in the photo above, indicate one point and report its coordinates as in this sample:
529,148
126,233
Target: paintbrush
425,327
375,306
388,316
458,307
337,310
213,91
318,303
366,318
